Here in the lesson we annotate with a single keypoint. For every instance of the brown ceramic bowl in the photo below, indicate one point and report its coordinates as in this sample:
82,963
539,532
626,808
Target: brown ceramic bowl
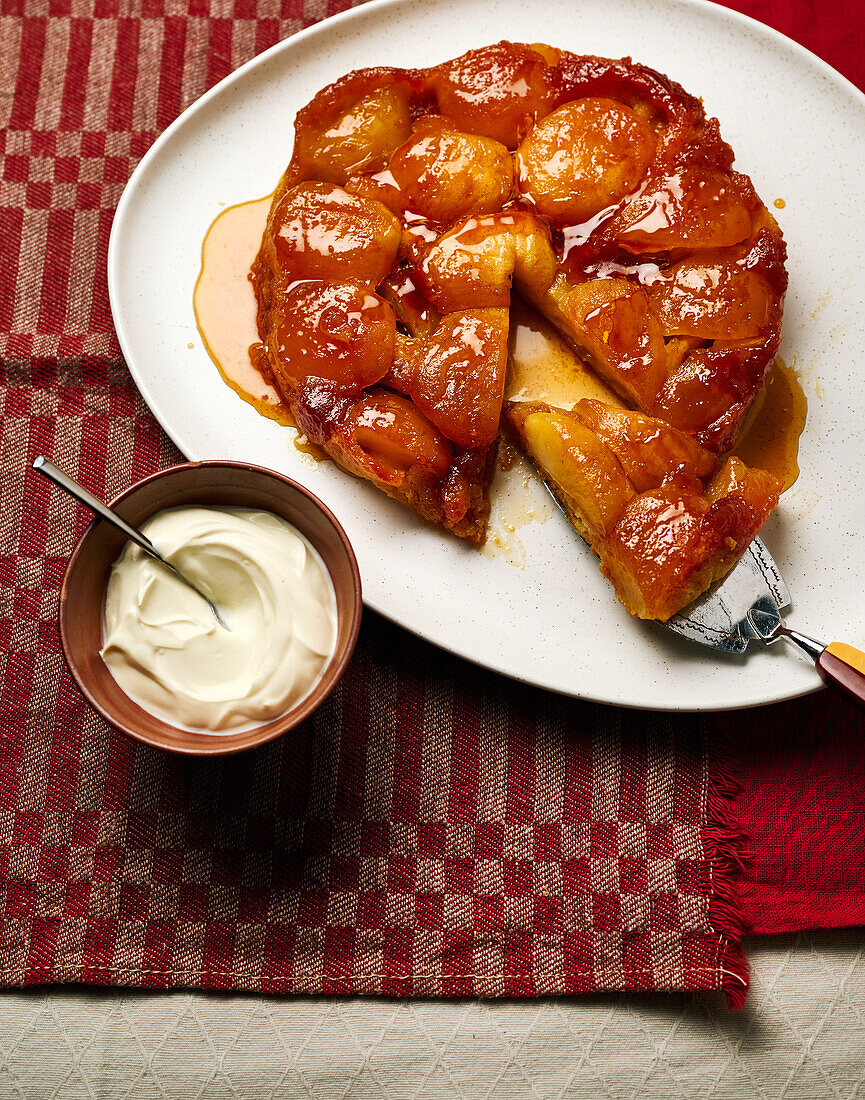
223,483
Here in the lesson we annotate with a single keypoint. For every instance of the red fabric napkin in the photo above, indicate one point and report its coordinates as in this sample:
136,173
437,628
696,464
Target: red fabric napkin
801,811
435,829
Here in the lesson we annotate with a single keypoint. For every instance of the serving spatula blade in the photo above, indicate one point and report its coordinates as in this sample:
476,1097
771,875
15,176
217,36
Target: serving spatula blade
744,607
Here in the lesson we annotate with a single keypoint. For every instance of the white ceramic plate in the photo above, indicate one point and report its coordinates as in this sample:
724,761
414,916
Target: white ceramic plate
798,128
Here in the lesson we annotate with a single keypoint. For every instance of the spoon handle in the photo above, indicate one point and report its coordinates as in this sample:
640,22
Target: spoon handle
90,501
70,486
842,665
839,665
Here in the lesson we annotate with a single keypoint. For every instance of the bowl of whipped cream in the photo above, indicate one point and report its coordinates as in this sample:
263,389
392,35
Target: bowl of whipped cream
148,651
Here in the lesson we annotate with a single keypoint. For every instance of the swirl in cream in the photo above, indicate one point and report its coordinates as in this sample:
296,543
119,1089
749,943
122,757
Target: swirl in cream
163,646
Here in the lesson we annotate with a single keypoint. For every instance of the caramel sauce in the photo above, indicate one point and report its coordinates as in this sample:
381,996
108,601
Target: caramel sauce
779,204
770,438
541,366
225,307
575,236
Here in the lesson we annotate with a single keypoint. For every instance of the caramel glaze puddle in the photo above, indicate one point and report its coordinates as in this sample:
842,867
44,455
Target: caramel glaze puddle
225,307
770,437
541,368
225,311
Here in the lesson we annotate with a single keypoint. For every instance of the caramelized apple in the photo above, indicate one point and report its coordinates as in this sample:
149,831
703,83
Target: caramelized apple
758,488
694,207
474,265
709,393
578,465
583,157
362,137
338,331
377,435
670,545
394,434
712,298
649,450
666,549
318,231
496,91
456,375
610,322
443,174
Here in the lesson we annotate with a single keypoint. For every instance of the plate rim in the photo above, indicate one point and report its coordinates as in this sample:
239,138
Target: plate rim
322,28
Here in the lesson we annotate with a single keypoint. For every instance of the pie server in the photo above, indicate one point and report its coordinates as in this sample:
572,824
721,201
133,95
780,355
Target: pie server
746,606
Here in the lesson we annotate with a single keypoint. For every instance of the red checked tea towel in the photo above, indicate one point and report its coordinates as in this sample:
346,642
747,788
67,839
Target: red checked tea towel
435,829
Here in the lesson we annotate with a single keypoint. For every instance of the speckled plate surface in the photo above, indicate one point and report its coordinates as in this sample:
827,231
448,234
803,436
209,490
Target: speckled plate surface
540,612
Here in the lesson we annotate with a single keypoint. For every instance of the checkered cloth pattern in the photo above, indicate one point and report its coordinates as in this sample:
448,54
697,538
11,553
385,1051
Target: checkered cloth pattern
434,829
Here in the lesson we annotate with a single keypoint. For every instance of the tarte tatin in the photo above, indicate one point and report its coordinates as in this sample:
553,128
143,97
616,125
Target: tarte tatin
417,200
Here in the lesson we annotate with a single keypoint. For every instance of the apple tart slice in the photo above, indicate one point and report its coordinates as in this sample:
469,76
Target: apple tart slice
666,517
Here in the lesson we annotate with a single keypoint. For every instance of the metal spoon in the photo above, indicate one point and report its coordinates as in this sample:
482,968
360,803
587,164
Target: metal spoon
49,470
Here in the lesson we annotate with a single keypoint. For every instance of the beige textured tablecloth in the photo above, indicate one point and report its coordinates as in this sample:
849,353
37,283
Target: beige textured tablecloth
801,1035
